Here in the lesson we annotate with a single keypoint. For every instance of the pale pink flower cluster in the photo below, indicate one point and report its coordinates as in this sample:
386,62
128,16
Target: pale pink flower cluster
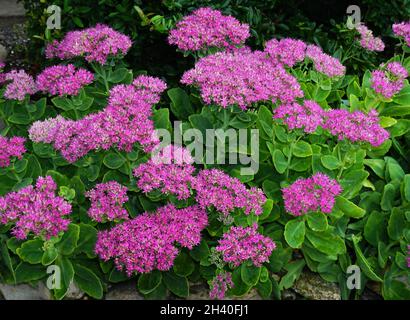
9,148
125,121
240,244
18,85
169,170
286,51
389,80
35,210
402,29
313,194
148,242
207,28
63,80
241,78
107,200
94,44
308,116
324,63
355,126
214,188
220,284
368,40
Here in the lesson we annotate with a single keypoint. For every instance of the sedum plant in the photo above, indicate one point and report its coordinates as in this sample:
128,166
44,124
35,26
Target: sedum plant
87,185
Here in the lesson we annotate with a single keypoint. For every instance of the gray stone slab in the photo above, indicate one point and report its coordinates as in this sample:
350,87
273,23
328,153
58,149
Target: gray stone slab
11,8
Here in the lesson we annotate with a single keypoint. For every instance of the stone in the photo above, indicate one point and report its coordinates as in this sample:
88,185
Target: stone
3,53
74,292
124,291
312,286
25,292
11,8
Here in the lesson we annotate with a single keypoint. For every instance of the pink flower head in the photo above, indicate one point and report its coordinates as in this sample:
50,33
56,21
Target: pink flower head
308,116
20,85
35,210
316,193
402,30
95,44
107,200
367,40
148,241
125,121
324,63
389,80
220,284
207,28
240,244
241,78
286,51
63,80
214,188
169,170
11,147
356,126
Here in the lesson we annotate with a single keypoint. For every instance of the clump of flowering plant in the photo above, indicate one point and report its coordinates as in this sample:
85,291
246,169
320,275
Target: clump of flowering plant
9,148
389,80
35,210
368,40
402,29
95,44
206,28
63,80
316,193
220,284
19,84
107,200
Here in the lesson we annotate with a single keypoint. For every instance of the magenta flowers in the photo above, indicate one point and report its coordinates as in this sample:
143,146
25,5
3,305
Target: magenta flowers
389,80
207,28
286,51
19,84
214,188
220,284
125,121
169,170
316,193
308,116
107,200
63,80
402,29
9,148
324,63
35,210
368,40
240,244
94,44
148,241
241,78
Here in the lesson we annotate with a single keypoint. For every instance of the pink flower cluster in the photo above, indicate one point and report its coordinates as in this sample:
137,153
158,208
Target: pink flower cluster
241,78
63,80
308,116
389,80
125,121
220,284
286,51
35,210
402,30
215,188
367,40
107,200
316,193
240,244
355,126
19,84
148,241
94,44
207,28
169,170
324,63
11,147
